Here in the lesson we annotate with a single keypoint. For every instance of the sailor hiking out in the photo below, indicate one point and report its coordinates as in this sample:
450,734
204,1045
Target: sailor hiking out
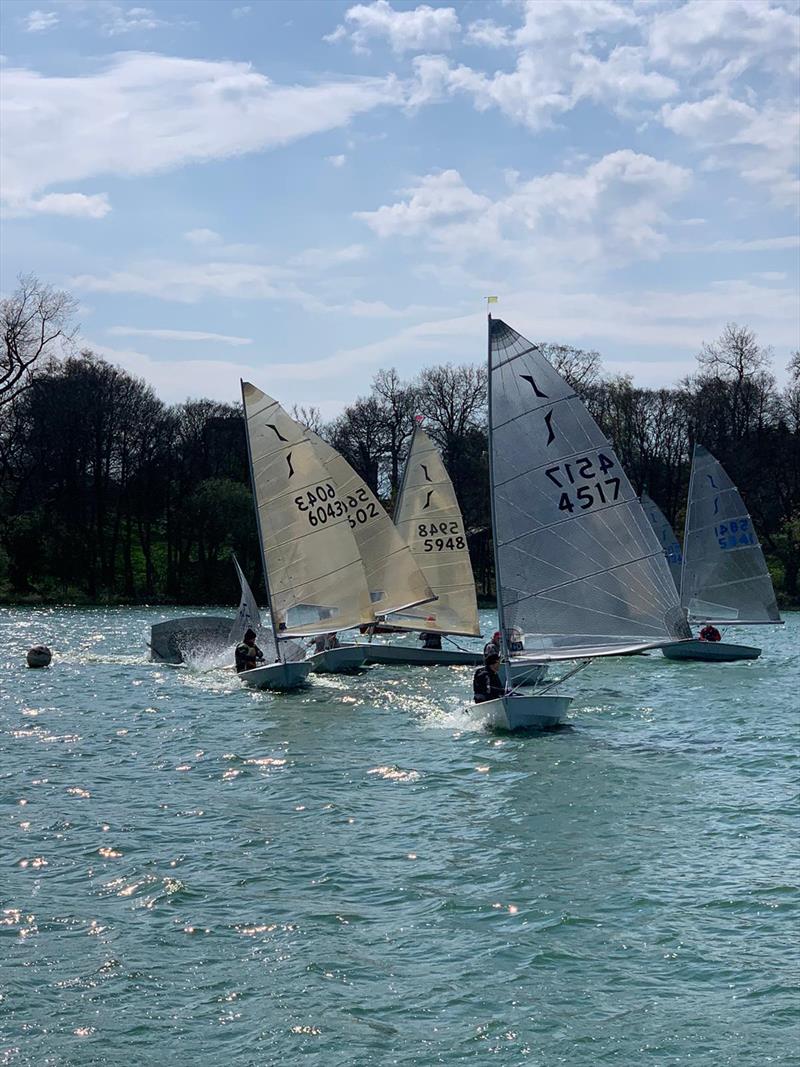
486,684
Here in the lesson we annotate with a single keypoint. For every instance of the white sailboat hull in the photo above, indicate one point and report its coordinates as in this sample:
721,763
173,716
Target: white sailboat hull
522,713
279,676
341,660
407,655
710,651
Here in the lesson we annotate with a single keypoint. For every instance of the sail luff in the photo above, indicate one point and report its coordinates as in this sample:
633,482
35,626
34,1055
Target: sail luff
579,569
498,586
261,542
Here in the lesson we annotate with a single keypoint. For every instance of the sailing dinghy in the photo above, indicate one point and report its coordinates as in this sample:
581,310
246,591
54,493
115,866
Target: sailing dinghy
428,522
312,567
724,576
579,572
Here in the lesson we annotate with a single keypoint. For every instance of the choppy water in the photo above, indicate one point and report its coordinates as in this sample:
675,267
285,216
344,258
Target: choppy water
193,873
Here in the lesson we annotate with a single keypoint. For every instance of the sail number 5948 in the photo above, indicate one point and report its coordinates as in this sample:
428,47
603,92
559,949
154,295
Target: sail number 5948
584,482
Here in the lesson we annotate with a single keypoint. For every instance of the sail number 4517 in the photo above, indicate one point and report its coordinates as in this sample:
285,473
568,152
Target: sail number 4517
584,482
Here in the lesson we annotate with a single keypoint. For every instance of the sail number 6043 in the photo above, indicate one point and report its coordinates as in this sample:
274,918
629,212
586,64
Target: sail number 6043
584,483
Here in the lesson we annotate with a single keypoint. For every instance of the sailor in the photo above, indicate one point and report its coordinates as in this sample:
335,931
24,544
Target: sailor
486,685
248,654
492,648
710,633
325,642
431,640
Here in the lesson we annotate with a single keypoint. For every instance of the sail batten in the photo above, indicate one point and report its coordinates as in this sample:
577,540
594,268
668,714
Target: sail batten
313,570
429,521
725,579
579,569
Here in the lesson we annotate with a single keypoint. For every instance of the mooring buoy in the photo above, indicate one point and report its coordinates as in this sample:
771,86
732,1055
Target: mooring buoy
39,656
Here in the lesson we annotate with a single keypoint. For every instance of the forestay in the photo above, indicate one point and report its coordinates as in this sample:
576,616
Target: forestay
315,577
725,576
429,519
580,571
666,535
248,616
394,580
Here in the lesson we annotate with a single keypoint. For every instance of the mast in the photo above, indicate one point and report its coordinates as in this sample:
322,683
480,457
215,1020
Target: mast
686,527
258,525
500,613
399,497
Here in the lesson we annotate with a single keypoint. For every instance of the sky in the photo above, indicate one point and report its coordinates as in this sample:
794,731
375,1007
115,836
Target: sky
301,194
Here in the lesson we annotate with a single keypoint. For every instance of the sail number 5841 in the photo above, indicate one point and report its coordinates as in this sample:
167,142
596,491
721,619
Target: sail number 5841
584,482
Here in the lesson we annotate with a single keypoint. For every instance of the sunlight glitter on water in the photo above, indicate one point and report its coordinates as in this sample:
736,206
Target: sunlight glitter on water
383,877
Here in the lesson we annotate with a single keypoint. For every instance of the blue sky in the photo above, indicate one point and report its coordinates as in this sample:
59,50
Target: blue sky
303,193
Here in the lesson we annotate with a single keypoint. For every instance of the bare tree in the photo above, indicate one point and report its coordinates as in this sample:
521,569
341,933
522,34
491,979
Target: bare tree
309,417
36,321
582,369
397,401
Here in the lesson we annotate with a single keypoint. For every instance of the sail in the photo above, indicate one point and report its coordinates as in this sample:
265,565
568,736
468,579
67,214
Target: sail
248,617
666,535
315,578
579,570
725,576
429,520
394,580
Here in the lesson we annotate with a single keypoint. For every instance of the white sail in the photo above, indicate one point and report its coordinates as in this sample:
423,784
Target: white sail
579,570
315,578
429,519
394,580
666,535
725,576
248,617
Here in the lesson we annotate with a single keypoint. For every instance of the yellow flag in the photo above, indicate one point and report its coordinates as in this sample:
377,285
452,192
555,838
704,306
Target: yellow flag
491,299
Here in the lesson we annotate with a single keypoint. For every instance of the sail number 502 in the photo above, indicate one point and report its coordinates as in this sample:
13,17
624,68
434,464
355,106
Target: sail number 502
583,484
321,504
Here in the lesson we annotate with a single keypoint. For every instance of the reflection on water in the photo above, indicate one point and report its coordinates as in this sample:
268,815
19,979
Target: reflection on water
359,873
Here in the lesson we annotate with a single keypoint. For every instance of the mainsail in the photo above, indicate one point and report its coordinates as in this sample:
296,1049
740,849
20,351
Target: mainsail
248,617
725,576
429,518
394,580
666,535
315,578
579,570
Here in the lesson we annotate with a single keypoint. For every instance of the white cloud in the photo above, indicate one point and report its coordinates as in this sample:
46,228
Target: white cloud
613,211
726,36
573,20
336,161
191,282
762,145
146,113
74,205
38,21
487,33
760,244
202,236
179,335
436,197
418,30
241,12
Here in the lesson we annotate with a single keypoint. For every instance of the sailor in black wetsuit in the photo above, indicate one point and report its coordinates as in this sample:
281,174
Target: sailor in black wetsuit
486,685
248,654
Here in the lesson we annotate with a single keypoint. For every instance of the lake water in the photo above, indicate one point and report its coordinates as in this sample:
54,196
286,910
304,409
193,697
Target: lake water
194,873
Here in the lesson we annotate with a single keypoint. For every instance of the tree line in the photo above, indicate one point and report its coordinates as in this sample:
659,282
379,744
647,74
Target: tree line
108,494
